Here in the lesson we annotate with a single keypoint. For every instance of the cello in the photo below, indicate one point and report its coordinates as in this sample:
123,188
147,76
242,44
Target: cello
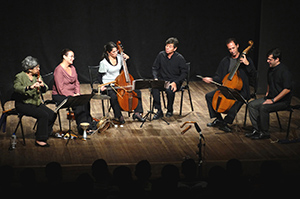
232,80
127,98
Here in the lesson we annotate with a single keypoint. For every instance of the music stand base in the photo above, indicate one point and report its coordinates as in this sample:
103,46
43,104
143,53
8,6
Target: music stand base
150,113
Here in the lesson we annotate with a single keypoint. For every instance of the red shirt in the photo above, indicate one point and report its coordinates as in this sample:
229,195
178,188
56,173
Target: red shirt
65,84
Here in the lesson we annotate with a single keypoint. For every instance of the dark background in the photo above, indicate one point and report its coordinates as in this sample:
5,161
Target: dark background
43,28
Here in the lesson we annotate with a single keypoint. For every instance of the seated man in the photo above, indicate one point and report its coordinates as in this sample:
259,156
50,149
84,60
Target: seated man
246,71
278,96
169,66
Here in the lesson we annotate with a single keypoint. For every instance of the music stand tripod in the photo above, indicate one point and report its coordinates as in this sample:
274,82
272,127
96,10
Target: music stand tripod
149,84
73,101
232,94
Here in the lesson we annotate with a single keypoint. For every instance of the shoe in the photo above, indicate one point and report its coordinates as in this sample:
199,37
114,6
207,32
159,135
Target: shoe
158,115
121,120
138,117
46,145
215,123
169,114
224,127
260,135
249,135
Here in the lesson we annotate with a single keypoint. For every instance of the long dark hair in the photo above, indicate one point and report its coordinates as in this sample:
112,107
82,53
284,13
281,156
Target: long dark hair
108,48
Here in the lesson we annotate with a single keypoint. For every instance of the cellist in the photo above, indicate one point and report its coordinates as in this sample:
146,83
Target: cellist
109,69
247,72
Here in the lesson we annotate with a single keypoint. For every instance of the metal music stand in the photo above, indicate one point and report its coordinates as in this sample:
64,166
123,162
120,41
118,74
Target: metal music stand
73,101
230,93
149,84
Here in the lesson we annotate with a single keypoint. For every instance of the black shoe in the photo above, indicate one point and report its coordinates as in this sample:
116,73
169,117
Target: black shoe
121,120
224,127
138,117
158,115
169,114
260,135
215,123
249,135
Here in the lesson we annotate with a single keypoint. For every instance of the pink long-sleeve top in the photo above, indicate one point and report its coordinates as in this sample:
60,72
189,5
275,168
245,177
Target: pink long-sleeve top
65,84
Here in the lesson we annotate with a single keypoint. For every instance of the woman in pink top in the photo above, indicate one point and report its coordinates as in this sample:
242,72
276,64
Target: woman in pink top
66,84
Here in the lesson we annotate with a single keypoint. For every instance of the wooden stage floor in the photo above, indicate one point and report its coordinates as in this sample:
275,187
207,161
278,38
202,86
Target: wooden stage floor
156,141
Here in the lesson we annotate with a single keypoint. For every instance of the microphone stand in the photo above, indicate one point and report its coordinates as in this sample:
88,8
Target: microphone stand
200,144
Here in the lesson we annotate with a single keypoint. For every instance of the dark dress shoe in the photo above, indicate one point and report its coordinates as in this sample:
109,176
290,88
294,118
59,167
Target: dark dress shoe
249,135
224,127
260,136
138,117
215,123
158,115
119,121
169,114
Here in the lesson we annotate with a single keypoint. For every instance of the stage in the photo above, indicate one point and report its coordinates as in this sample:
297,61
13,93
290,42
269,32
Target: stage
156,141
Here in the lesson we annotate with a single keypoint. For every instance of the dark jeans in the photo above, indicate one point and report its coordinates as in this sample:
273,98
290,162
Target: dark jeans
115,104
82,113
45,118
259,113
231,113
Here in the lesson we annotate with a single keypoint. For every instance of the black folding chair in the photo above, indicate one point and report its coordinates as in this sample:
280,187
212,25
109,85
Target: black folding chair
185,86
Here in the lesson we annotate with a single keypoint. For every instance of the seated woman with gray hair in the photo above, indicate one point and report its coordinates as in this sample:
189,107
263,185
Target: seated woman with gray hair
28,84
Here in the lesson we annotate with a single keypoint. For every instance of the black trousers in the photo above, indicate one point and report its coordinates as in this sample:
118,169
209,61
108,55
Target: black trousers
170,98
82,113
116,106
45,118
259,113
231,113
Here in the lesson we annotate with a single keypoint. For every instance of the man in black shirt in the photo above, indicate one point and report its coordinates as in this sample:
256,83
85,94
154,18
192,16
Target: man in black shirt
246,71
278,96
169,66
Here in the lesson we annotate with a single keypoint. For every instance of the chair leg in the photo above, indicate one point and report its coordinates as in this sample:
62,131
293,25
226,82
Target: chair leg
22,131
17,127
103,109
59,121
110,107
181,100
24,143
35,124
189,92
289,124
245,118
163,98
279,123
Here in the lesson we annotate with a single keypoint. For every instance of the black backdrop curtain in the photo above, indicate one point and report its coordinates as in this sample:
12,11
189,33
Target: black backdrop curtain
43,28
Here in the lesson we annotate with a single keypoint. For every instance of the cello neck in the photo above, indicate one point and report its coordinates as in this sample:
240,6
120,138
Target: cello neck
125,69
236,67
